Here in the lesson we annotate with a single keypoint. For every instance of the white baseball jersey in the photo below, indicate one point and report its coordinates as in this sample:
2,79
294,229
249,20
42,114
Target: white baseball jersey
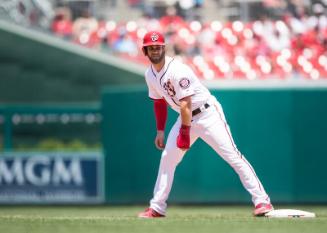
174,82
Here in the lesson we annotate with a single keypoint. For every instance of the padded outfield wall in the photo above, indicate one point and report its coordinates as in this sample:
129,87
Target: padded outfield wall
282,132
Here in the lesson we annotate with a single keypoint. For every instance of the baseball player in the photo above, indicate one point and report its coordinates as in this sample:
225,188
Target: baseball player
173,83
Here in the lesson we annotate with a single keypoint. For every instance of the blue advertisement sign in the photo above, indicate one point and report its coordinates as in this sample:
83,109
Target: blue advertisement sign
60,177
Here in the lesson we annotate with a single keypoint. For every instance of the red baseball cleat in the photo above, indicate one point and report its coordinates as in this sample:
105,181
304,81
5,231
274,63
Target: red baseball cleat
150,213
262,208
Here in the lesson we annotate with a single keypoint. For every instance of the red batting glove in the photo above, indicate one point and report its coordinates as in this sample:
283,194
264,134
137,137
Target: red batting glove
183,138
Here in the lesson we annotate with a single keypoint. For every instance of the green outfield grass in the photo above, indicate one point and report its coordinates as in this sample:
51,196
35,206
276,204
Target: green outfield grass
180,219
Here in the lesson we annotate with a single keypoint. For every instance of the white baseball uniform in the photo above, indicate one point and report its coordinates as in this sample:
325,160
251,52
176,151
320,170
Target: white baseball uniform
174,82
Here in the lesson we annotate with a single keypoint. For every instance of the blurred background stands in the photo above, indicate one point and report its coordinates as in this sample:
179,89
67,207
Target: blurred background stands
220,39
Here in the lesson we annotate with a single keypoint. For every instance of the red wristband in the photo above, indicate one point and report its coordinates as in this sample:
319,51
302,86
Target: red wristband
183,139
185,129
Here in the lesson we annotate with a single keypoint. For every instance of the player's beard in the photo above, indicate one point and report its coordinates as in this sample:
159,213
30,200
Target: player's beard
157,60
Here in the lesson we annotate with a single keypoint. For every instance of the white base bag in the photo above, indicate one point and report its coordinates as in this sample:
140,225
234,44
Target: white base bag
289,213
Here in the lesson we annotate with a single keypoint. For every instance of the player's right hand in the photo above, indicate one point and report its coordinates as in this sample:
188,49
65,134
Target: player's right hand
160,140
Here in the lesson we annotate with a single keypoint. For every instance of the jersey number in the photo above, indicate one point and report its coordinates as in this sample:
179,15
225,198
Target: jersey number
169,88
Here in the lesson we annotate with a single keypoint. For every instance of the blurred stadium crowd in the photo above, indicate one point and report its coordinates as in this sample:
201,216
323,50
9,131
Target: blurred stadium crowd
283,39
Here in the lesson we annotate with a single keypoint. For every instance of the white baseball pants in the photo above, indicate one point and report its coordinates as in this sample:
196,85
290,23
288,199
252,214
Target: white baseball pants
211,126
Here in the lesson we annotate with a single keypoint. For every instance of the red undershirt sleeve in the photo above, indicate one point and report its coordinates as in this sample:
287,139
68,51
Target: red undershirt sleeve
160,110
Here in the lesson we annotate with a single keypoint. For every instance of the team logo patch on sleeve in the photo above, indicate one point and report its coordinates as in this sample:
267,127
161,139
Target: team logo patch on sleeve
184,83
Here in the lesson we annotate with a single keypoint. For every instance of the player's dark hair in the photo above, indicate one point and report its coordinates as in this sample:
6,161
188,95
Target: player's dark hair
145,51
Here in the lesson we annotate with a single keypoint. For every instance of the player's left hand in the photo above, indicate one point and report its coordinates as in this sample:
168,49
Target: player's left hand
183,138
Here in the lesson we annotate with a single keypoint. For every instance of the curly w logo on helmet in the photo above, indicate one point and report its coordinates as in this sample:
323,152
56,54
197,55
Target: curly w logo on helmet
154,37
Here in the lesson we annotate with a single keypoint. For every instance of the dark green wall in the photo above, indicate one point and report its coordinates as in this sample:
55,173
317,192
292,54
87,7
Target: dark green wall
281,132
31,71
